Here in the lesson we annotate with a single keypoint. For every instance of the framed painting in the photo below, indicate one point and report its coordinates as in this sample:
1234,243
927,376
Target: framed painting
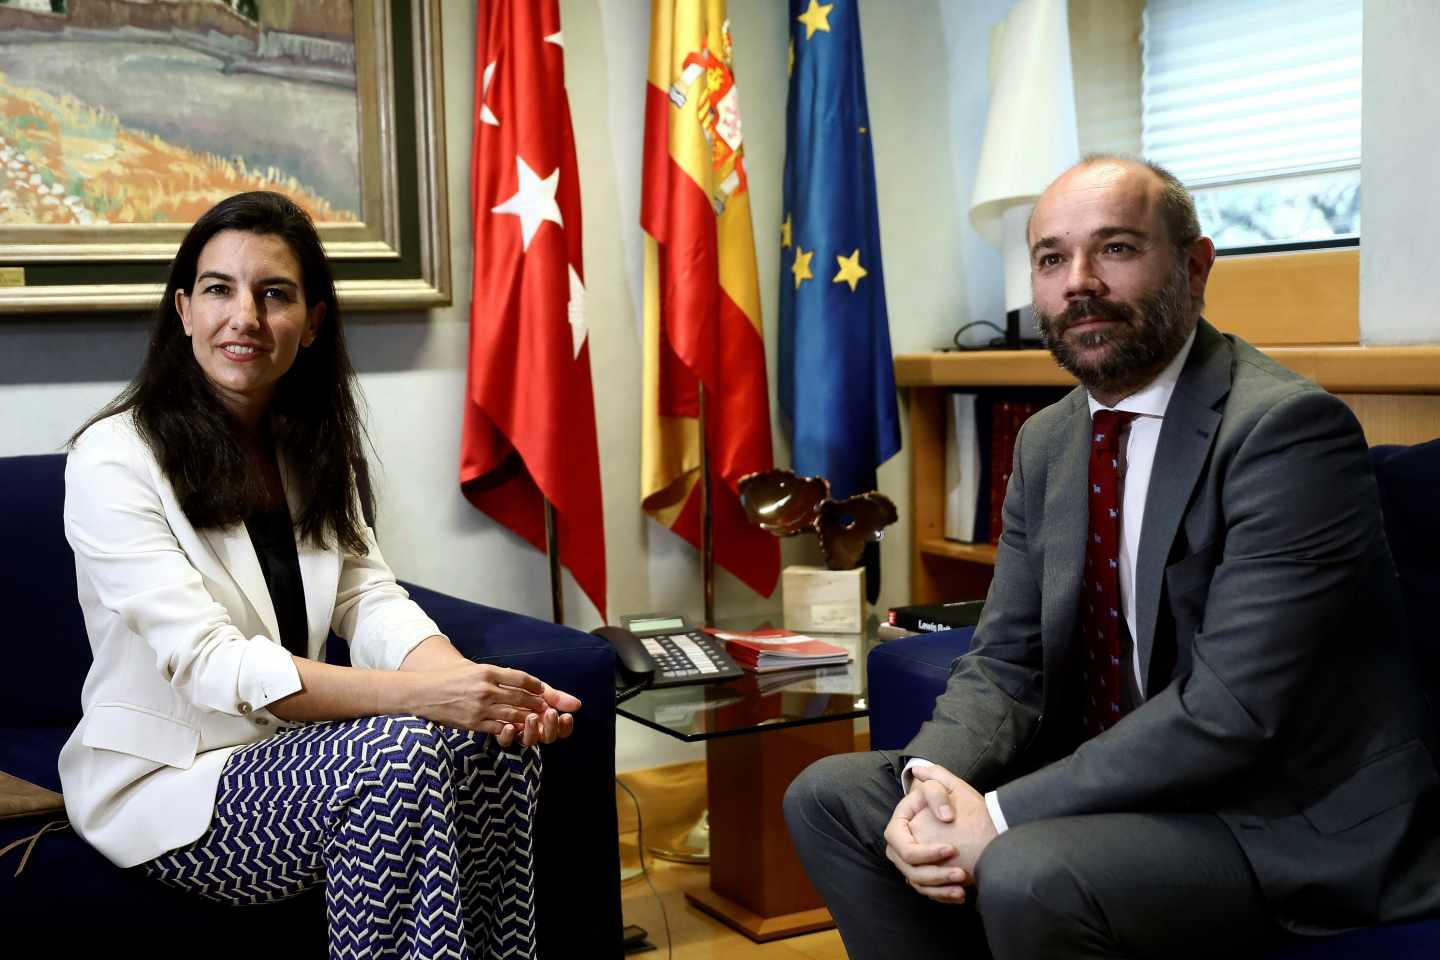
121,121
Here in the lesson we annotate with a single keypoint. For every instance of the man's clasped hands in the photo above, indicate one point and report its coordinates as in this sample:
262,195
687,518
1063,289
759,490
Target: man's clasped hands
937,833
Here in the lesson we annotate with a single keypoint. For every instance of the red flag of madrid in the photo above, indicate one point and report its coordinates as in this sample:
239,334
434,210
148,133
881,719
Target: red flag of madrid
529,428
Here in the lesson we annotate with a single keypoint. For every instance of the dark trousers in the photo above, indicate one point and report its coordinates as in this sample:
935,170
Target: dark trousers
1112,885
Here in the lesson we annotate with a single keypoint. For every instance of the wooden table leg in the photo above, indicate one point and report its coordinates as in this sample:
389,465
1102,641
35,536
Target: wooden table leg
757,884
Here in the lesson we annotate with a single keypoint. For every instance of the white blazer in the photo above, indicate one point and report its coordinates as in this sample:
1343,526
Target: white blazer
186,644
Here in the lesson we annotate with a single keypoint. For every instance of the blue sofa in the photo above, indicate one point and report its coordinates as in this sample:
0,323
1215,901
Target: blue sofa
907,675
70,898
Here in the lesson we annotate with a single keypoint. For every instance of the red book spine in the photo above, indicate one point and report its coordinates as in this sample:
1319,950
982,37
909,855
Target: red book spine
1007,419
1000,451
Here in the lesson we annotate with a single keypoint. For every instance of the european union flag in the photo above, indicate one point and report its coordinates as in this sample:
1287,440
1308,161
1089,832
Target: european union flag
837,378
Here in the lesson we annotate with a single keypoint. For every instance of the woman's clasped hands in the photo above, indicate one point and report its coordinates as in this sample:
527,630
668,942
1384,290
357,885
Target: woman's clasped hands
511,705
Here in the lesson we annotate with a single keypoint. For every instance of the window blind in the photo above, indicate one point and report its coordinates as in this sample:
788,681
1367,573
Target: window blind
1240,90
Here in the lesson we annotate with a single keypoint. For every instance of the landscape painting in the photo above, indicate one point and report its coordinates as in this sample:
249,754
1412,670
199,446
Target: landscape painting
150,111
122,121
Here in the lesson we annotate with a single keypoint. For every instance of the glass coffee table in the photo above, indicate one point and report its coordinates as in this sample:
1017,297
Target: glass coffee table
760,731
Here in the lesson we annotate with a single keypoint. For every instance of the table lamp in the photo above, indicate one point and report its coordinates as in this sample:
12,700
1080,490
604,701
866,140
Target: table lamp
1030,139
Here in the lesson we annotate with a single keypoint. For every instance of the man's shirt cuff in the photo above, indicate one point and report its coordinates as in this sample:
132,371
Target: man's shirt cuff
992,803
907,777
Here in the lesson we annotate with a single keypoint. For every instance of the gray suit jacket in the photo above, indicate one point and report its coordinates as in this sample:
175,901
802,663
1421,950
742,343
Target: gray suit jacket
1279,691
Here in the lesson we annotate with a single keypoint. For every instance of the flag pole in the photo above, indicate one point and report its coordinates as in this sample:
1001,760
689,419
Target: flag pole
693,845
552,552
707,541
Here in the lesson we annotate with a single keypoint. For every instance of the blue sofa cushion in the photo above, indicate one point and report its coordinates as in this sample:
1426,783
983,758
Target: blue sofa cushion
70,899
37,564
31,753
1409,479
905,677
1404,941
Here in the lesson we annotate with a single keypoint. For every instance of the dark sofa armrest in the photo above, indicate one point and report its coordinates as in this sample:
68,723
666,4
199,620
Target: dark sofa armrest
905,677
562,656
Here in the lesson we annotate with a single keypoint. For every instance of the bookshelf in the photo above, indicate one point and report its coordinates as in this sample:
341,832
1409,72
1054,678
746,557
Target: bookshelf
1394,391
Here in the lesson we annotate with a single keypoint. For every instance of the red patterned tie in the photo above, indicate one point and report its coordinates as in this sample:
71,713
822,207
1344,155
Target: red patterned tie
1100,616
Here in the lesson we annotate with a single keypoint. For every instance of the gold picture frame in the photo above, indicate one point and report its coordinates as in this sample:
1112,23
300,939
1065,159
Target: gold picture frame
394,256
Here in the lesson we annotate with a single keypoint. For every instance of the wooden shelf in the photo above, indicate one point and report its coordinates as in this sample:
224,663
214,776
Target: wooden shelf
1365,369
980,368
955,550
1338,369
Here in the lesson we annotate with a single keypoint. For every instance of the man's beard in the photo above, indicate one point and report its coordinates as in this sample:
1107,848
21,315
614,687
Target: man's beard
1143,340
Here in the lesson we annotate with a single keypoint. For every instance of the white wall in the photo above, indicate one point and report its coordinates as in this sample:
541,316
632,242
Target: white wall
1400,180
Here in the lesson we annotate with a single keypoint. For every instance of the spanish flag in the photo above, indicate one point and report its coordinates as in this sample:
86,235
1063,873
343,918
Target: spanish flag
702,297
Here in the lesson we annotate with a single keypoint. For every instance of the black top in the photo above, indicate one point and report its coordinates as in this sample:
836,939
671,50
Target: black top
274,538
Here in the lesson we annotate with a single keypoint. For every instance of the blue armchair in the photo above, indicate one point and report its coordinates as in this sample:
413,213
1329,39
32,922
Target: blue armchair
69,897
907,675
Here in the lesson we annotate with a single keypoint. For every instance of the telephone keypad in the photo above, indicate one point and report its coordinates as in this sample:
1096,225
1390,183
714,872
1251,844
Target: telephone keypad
688,656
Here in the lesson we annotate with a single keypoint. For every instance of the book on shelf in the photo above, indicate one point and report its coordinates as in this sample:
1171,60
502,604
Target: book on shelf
967,466
962,466
1008,415
935,617
773,649
980,432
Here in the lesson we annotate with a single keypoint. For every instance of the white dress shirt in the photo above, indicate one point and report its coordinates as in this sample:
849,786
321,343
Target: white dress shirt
1150,403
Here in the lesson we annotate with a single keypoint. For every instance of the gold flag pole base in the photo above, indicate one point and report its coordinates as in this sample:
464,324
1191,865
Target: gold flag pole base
689,846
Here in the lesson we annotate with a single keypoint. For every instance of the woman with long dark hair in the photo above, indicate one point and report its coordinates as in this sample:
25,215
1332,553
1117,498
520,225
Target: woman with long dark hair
219,510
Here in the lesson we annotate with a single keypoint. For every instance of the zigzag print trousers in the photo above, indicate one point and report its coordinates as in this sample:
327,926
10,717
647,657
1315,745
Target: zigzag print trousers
420,833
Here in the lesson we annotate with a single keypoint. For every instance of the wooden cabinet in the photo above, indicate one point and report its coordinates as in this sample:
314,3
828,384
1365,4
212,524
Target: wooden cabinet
1395,392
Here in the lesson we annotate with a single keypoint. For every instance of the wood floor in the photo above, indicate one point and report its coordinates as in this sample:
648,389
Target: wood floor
697,936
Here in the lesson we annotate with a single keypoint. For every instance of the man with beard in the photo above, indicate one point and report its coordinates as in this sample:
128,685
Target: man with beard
1188,722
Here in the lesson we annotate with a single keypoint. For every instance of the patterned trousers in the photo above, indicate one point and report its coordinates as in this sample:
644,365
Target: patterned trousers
420,833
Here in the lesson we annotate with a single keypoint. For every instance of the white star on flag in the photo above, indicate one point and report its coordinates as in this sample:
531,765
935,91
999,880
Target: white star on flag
557,38
486,115
533,202
576,311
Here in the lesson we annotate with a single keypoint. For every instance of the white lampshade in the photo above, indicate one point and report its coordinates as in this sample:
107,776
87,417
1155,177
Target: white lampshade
1030,131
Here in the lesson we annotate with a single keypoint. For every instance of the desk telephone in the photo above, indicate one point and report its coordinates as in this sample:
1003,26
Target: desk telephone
665,650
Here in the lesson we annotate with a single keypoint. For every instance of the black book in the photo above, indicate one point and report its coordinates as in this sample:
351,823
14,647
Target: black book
934,617
983,416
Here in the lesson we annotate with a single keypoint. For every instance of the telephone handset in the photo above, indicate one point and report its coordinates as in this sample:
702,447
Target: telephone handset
664,650
634,668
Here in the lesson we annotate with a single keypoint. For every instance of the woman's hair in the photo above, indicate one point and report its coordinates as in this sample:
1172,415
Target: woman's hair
313,418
